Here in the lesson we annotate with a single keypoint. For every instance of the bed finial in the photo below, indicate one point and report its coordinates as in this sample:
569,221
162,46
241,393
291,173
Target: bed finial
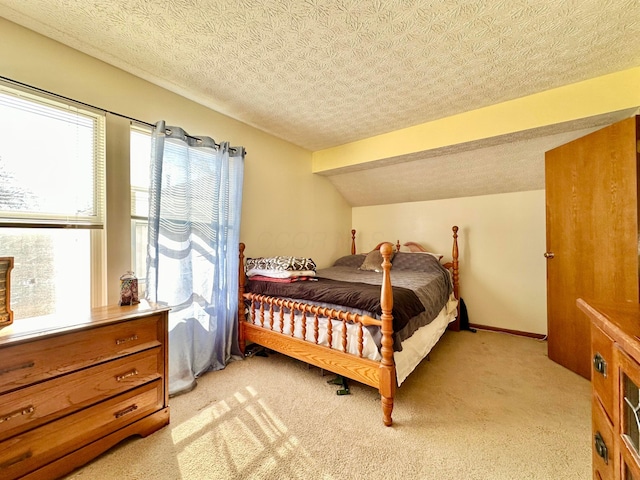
353,241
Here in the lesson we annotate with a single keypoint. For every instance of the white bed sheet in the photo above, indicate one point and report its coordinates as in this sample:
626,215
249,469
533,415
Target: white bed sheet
417,346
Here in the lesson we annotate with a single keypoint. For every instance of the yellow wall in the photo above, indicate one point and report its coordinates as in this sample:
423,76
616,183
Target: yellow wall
286,209
501,240
608,93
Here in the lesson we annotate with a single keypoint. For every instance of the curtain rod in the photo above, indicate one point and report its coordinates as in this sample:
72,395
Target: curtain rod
57,95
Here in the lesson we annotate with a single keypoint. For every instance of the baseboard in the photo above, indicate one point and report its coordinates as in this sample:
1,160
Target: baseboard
537,336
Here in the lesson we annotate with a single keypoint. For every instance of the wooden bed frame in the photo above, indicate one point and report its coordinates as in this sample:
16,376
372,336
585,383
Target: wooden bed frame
378,374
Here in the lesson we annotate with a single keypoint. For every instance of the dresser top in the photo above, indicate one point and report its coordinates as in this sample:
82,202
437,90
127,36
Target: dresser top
621,321
35,327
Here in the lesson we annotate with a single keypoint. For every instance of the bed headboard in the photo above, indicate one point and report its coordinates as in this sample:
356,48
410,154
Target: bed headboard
453,265
413,246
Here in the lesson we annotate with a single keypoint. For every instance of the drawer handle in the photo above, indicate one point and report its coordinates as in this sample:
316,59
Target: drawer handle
17,413
600,364
601,448
126,411
132,373
17,459
120,341
17,367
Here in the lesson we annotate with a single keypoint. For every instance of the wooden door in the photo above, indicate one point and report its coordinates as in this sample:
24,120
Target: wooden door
592,234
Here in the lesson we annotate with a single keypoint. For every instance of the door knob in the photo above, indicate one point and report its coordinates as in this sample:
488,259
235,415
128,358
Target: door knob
548,255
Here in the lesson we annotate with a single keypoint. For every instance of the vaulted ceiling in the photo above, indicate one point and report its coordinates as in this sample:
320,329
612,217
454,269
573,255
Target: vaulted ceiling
322,73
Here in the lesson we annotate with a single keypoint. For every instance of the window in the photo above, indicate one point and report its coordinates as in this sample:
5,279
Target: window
52,161
140,164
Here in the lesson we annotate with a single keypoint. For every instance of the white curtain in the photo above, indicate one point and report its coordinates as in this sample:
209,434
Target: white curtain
195,198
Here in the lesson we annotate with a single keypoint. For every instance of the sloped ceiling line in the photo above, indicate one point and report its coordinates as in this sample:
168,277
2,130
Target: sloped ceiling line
505,164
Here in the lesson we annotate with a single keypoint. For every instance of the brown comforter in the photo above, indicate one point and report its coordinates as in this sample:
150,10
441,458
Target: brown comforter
361,296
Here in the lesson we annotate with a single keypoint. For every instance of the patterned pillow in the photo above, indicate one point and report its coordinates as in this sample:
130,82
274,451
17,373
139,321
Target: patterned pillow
281,263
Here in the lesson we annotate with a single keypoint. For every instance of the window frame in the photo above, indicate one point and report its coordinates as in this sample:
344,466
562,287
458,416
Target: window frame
137,219
48,220
95,222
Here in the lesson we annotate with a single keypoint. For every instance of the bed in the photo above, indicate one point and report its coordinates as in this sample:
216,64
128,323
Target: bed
349,319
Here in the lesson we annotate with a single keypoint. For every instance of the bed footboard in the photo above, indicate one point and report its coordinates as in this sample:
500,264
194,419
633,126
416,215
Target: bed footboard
327,338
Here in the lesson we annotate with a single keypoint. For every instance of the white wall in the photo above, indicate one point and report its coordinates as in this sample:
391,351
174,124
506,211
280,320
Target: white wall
501,240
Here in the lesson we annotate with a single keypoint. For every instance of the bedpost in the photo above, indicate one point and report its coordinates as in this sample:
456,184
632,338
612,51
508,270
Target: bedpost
387,365
353,242
454,254
456,277
241,282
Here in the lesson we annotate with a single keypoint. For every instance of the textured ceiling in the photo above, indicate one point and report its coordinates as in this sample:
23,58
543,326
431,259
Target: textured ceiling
321,73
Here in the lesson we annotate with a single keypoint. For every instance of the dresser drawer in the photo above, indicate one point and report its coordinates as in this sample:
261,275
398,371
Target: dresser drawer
24,453
43,402
603,456
603,373
30,362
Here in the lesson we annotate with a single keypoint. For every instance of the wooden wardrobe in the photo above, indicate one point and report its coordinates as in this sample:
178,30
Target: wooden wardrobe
592,234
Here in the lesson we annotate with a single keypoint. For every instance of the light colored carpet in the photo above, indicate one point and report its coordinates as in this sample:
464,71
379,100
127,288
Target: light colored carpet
486,406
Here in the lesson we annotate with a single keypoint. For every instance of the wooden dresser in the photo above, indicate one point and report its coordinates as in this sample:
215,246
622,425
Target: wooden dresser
615,380
72,386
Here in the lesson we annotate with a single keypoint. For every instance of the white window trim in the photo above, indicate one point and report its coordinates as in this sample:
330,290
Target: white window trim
98,259
41,220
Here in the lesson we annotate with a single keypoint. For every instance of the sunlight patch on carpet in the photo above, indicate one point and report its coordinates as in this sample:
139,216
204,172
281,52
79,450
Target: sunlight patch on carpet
243,435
